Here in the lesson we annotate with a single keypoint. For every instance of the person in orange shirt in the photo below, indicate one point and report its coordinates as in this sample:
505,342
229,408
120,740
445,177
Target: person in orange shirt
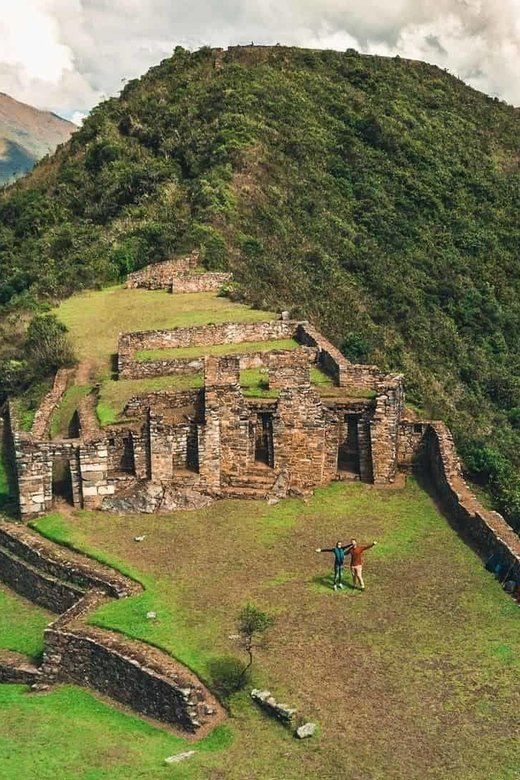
356,562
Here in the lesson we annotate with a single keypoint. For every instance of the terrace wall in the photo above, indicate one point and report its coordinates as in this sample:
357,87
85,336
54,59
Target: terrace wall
201,336
186,282
158,276
486,528
131,672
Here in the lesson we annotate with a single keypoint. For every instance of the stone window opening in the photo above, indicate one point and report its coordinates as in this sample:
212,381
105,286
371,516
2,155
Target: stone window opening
62,480
417,428
348,450
264,439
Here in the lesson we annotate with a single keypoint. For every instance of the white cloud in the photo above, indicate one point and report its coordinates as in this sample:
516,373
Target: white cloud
65,54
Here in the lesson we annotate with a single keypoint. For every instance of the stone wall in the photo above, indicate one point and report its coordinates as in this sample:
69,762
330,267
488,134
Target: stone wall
385,429
488,529
299,431
129,671
291,368
186,282
410,441
158,276
17,669
42,418
138,405
201,336
61,564
344,373
35,585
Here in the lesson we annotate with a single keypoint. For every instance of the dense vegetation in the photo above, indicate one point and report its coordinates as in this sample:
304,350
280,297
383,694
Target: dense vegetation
378,197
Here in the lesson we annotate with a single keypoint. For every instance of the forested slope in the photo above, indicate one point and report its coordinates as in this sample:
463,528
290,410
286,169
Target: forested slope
377,197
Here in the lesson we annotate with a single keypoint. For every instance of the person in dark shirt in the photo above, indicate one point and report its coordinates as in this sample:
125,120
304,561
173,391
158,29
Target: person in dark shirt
339,561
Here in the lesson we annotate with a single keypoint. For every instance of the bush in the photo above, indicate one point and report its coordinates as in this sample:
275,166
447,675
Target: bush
47,345
228,676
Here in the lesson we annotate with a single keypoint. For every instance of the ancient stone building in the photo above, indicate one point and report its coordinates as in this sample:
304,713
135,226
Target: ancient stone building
175,449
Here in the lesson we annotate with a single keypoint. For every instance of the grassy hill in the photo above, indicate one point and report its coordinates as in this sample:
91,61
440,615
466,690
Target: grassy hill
377,197
26,135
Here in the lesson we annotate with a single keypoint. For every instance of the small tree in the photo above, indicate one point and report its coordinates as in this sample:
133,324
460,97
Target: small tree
252,625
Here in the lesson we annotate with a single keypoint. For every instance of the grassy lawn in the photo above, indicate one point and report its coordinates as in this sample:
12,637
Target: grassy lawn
68,734
21,624
95,319
218,349
114,394
418,677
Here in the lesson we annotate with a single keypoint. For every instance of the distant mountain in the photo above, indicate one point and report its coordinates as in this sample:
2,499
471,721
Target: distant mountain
26,135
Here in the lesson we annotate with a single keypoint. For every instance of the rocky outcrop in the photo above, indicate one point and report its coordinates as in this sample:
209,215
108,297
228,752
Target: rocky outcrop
150,498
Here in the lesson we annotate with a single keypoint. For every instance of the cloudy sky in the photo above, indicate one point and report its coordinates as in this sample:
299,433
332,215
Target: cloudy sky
65,55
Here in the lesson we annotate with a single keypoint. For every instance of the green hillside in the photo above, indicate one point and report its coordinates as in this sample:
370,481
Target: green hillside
377,197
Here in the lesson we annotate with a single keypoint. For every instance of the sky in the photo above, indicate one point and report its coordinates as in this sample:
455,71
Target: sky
67,55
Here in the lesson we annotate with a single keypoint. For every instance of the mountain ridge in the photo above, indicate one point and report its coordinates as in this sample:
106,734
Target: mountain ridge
377,197
28,133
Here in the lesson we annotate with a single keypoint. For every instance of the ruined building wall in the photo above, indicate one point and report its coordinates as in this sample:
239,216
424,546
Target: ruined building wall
385,428
158,276
344,373
202,336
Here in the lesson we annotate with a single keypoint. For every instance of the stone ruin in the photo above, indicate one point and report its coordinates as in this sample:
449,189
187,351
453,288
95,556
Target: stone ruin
178,449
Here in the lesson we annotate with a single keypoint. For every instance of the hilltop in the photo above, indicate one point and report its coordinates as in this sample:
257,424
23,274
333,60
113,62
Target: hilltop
376,197
26,135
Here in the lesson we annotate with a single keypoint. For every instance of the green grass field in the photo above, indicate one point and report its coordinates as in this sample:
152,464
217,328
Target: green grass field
95,319
21,624
418,677
217,349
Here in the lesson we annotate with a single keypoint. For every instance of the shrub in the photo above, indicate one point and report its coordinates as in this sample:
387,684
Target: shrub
47,345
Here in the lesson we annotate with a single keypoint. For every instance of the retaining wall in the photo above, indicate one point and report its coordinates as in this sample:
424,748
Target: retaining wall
186,282
131,672
40,588
158,276
202,336
486,528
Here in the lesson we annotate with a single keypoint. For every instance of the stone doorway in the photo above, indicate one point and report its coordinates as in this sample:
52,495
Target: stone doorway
127,462
348,450
264,439
62,481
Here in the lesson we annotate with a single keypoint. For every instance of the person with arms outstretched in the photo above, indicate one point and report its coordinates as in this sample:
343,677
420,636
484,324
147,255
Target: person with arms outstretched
339,562
356,561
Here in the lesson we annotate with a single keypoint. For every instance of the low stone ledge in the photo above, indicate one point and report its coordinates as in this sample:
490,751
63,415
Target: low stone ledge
35,585
18,669
267,702
64,564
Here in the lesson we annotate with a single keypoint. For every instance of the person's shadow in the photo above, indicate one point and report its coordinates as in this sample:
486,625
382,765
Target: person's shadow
327,581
